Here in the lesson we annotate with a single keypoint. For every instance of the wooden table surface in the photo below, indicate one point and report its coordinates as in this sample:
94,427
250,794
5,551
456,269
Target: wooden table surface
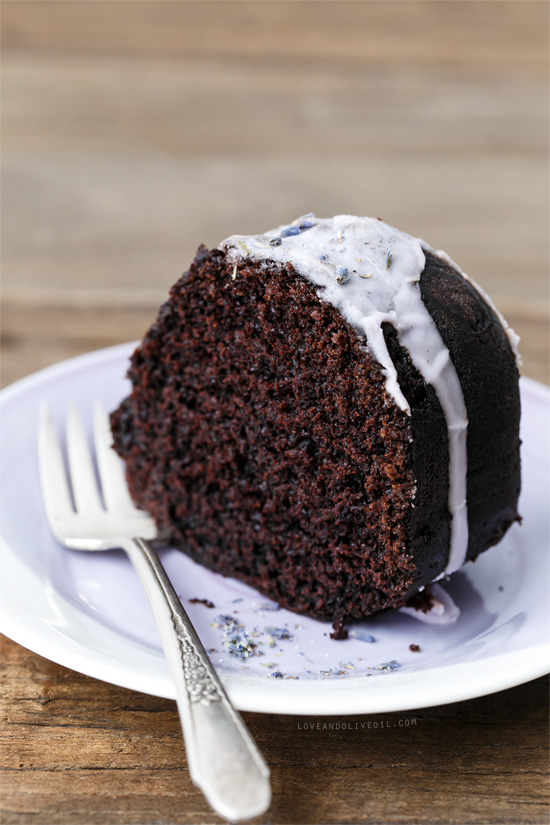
134,131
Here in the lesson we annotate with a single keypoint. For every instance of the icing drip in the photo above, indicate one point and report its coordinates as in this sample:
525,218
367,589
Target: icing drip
371,272
443,609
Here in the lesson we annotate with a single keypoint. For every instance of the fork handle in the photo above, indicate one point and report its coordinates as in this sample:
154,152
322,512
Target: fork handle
224,761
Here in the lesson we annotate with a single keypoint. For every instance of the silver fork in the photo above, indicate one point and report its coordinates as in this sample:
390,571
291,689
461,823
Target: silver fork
224,761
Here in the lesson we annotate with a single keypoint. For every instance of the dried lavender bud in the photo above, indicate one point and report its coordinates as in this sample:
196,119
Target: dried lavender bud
290,230
362,635
393,665
225,621
271,606
278,632
342,274
238,644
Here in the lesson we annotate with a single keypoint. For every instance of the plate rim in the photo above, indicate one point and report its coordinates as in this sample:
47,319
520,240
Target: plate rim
309,698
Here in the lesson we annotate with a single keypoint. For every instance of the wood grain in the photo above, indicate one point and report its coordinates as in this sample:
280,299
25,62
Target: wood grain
118,162
134,131
79,750
474,35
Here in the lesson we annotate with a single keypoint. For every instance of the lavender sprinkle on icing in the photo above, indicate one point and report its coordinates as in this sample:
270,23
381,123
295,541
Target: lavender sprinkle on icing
342,274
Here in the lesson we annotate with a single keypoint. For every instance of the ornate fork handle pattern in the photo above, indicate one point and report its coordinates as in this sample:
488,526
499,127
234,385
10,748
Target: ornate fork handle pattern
198,680
223,759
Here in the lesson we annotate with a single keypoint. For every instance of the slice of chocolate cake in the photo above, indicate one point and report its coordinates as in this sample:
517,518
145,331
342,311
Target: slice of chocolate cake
328,412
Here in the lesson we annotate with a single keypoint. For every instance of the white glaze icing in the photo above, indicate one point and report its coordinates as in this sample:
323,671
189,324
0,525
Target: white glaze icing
370,271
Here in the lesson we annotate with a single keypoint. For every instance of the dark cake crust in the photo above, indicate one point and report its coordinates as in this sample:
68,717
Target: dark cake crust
260,435
486,367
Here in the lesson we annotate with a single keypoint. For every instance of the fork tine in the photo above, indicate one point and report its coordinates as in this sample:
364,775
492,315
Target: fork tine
53,478
111,472
86,495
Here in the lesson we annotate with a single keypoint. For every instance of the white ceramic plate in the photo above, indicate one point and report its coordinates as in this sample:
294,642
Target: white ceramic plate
87,611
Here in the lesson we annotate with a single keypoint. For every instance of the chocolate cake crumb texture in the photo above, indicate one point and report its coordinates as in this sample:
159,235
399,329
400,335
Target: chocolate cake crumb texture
261,436
205,602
